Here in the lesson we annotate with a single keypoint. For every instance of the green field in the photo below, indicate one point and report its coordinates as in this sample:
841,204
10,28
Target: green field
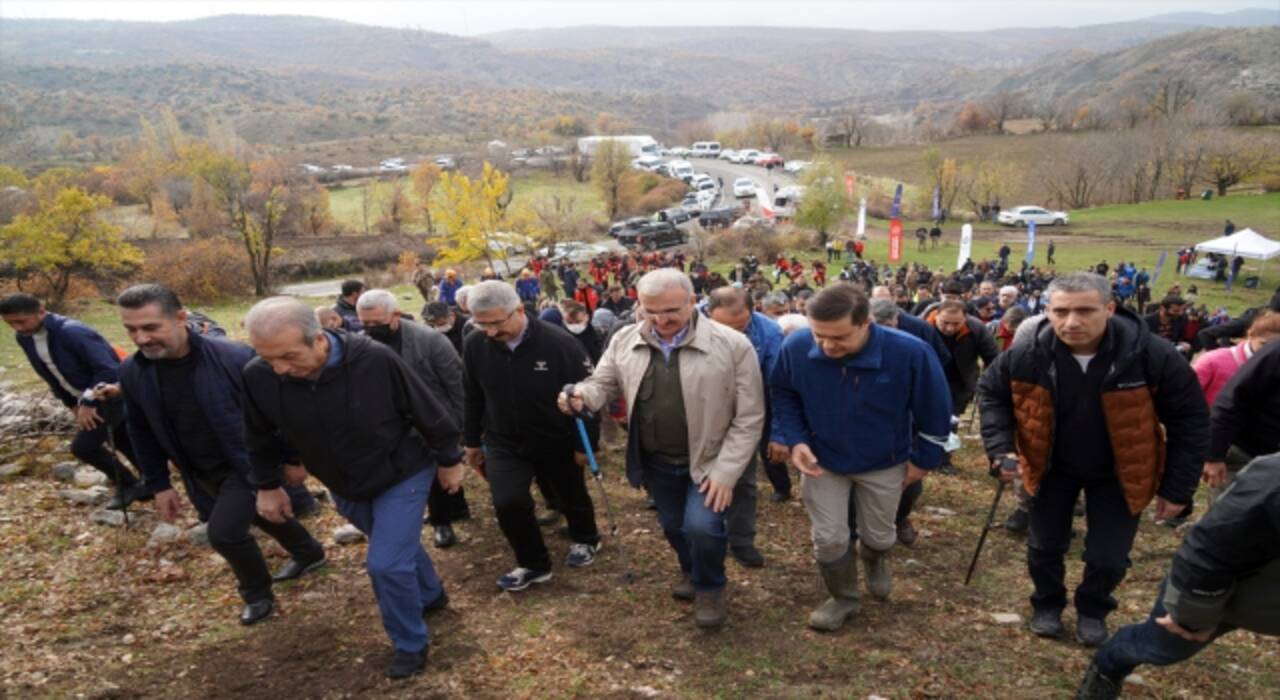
344,202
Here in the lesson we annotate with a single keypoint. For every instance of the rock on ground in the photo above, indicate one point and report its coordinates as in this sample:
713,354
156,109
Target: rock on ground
91,496
347,534
89,477
199,534
163,534
11,470
114,518
65,471
1007,618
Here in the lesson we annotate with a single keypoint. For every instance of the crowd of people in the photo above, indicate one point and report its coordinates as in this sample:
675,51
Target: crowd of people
859,382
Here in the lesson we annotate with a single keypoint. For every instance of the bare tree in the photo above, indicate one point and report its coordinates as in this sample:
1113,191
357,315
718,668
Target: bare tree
850,127
1231,158
1171,96
1003,106
1078,170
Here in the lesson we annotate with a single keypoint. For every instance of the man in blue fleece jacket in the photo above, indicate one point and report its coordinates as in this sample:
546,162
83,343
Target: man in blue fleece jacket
866,409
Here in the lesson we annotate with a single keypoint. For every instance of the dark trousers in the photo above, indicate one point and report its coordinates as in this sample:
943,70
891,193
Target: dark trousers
1149,643
511,473
1111,529
92,447
906,504
234,510
740,517
698,534
776,472
443,507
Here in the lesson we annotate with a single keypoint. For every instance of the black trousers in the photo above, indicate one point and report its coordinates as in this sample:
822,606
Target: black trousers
1111,529
92,447
443,507
234,510
511,473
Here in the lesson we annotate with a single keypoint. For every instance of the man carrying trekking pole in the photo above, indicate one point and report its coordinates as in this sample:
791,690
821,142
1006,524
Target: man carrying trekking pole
695,407
1093,403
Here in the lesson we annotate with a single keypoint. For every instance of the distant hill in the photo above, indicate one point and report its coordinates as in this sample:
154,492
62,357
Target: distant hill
290,80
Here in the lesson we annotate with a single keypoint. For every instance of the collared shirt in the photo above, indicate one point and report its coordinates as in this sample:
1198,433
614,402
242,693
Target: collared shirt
335,350
515,342
668,348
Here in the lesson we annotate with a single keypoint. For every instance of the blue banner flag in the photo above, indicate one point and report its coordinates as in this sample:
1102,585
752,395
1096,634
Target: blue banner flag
897,203
1155,276
937,203
1031,241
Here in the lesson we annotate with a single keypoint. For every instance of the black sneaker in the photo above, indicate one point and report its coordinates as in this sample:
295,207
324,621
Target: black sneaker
1096,686
443,536
521,578
779,497
440,603
581,554
407,663
1047,623
1091,631
126,495
747,555
1019,522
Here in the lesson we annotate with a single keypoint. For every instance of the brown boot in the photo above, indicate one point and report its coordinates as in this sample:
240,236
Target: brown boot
684,590
710,608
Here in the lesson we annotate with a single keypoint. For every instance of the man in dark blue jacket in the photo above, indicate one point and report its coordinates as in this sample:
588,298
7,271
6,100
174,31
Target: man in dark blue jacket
865,409
183,392
73,359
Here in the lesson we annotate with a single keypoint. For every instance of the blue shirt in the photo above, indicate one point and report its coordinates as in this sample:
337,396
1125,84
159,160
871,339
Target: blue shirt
668,348
335,350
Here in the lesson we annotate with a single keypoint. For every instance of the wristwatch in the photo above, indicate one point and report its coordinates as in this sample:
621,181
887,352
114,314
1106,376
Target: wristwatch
87,397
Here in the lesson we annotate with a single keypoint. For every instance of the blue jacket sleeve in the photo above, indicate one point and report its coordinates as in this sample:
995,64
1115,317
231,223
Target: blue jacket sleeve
148,453
788,406
96,353
930,410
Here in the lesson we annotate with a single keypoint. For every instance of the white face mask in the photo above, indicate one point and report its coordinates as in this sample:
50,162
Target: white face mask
575,328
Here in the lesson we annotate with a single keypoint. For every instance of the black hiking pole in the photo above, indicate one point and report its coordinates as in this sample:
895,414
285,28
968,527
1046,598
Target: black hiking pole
627,574
1007,464
92,394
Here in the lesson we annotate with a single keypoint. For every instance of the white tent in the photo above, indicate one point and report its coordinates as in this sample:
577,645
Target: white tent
1247,244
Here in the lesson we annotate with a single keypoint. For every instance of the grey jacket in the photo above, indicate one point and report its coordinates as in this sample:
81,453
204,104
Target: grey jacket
431,356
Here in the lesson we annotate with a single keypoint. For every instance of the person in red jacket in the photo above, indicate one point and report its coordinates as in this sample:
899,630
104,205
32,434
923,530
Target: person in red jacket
586,295
780,268
819,273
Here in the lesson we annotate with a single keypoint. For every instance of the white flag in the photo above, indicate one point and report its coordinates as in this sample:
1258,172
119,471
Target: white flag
862,217
966,244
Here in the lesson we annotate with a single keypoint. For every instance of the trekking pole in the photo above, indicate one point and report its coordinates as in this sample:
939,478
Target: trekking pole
1006,464
115,464
627,574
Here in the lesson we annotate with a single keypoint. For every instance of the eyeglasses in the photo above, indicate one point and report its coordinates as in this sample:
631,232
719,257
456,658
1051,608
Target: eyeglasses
665,313
494,324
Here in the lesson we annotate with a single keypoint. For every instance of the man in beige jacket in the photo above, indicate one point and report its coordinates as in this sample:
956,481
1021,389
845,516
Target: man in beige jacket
695,403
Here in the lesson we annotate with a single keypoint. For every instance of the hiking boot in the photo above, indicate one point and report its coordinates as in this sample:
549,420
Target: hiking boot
407,663
747,555
581,554
1047,623
1019,522
1091,631
444,536
780,497
1096,686
684,590
879,581
126,495
906,533
521,578
841,580
710,608
297,569
440,603
257,611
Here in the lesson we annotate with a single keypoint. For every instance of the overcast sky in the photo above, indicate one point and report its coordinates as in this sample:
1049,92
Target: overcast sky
481,16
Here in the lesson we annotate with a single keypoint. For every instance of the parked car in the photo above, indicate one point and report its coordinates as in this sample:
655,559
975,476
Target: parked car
744,187
634,222
766,160
446,163
749,222
576,251
719,218
660,234
679,152
1021,216
728,155
795,166
706,149
681,169
747,157
675,215
646,162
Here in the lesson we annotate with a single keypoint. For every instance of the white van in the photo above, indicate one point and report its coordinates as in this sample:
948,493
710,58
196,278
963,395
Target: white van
681,170
705,149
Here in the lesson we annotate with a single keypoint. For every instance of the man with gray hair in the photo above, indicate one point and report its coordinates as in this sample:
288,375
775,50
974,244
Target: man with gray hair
367,427
515,367
775,305
431,356
695,404
1092,403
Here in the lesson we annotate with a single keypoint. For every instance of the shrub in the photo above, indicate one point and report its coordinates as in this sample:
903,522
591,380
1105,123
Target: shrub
1271,183
201,271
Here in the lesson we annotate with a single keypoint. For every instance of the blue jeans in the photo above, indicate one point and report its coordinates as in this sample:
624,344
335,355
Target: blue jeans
1149,643
403,578
697,533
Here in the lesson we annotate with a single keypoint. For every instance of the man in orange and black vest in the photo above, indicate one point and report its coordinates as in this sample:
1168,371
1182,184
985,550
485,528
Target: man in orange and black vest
1093,404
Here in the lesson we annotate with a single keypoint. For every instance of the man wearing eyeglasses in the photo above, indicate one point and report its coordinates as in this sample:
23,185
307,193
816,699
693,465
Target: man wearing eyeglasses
515,366
696,409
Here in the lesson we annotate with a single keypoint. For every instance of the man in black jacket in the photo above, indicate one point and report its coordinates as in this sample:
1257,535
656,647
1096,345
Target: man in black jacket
368,428
968,341
447,320
1095,404
431,356
346,304
1170,323
182,391
515,371
1245,419
1225,576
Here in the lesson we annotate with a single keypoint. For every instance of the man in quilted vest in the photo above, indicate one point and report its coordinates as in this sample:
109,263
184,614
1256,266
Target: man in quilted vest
1093,403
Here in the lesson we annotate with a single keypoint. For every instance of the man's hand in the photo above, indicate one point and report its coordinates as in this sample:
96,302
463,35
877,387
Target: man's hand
1166,510
913,475
1214,474
1178,630
103,391
274,505
168,503
474,456
294,474
778,453
571,405
450,478
87,417
718,497
580,459
1007,475
805,461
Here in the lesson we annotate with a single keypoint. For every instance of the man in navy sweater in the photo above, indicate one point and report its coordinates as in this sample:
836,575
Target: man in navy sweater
864,409
73,359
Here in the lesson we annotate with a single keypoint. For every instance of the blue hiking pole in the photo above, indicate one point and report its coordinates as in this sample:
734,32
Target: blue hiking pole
627,574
